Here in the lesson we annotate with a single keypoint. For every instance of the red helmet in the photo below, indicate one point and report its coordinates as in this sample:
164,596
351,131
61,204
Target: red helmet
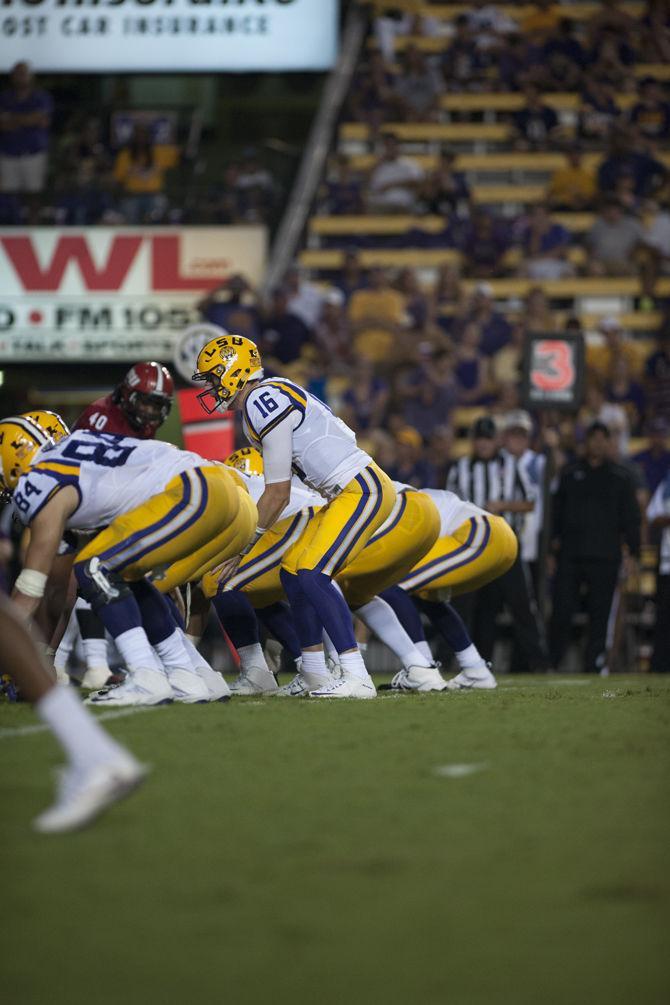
145,396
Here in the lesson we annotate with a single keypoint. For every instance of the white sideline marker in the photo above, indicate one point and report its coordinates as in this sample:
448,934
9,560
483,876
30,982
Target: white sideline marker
458,770
118,713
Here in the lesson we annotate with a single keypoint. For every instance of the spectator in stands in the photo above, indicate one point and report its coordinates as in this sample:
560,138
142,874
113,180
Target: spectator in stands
613,241
537,315
536,123
624,390
572,187
472,368
283,333
656,240
542,21
139,171
394,181
612,57
445,191
484,244
650,115
440,451
611,346
377,317
365,400
85,177
597,408
332,334
25,121
658,515
343,191
488,23
416,300
232,305
598,112
371,93
428,391
411,467
352,275
545,246
447,295
463,63
254,188
654,460
656,30
595,514
506,363
416,90
494,328
305,299
624,158
518,62
657,374
563,43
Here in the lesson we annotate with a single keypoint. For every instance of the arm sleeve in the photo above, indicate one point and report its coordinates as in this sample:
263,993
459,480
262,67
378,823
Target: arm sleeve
656,507
278,449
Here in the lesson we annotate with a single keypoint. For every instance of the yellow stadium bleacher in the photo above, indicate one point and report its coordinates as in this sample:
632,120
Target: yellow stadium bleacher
427,132
448,11
334,226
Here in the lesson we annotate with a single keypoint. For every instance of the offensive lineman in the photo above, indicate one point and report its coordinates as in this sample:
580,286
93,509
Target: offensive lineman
298,433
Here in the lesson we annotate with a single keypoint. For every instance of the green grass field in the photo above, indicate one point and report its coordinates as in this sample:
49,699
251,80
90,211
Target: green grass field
300,851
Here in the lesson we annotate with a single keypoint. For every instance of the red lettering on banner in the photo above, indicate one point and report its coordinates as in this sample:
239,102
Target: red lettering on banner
110,277
165,265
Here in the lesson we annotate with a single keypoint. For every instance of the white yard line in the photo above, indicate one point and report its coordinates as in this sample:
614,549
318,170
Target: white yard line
118,713
458,770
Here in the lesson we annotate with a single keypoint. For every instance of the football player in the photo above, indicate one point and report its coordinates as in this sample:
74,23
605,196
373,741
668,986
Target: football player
408,533
99,771
138,406
474,548
167,514
298,434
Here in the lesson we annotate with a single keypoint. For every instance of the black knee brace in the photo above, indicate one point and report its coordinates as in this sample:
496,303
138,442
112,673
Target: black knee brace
99,586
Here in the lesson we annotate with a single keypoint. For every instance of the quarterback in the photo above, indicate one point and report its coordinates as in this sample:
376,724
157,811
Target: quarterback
298,434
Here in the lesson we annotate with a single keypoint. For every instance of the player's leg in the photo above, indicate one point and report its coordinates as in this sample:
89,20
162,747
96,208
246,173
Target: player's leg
482,549
339,532
99,770
238,619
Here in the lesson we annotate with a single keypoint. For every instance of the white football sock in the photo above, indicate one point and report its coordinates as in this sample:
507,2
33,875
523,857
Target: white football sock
95,653
329,649
469,658
252,656
82,739
196,657
172,653
352,663
425,651
136,652
315,663
67,643
381,619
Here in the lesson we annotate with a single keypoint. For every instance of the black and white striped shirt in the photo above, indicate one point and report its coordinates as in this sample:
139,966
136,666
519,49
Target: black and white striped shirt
501,478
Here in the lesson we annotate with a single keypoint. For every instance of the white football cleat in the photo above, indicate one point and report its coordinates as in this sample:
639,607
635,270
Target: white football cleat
62,677
347,686
255,680
83,795
142,687
95,678
188,687
296,688
217,686
477,678
419,679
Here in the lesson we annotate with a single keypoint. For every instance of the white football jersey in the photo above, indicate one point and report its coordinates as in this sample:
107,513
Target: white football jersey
112,474
324,452
453,510
301,496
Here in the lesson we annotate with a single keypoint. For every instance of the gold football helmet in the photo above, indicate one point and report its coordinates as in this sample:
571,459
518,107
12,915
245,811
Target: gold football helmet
247,459
20,439
50,422
226,364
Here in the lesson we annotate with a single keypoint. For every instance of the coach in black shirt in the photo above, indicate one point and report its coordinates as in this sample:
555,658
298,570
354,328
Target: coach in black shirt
595,513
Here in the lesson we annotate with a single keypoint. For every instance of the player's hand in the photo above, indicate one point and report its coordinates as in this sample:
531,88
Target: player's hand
227,569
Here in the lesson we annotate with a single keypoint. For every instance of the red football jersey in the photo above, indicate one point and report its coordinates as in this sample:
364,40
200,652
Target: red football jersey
103,416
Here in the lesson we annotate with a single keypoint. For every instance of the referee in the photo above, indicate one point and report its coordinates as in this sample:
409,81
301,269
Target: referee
494,480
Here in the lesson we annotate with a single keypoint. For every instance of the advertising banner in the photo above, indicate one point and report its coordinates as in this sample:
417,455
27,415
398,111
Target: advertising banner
72,294
175,36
